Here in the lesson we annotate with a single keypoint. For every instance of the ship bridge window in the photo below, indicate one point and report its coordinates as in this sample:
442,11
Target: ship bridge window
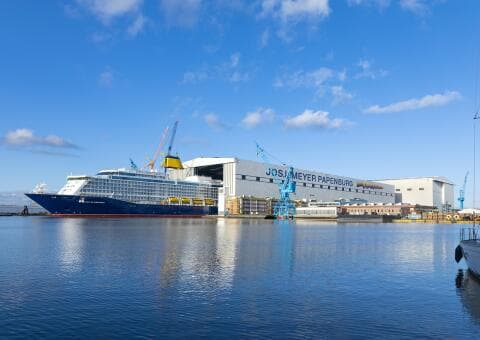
244,177
271,180
257,179
421,189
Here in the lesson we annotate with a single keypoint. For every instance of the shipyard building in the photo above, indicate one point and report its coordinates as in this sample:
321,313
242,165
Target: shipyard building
427,191
245,178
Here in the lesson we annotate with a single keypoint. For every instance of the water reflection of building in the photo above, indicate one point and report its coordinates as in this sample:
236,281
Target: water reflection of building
201,255
226,251
468,288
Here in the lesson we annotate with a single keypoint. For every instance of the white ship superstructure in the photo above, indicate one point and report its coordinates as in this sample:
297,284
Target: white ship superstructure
141,186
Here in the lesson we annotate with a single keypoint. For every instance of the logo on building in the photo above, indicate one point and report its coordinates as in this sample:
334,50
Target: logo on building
369,185
309,177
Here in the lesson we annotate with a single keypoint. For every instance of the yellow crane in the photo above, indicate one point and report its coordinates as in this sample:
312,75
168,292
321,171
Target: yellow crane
151,163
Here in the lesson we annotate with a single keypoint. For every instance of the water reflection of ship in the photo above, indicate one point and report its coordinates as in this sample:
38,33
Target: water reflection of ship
72,243
205,257
200,258
468,288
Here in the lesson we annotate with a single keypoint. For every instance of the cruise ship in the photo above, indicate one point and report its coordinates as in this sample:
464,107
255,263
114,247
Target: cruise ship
131,192
146,192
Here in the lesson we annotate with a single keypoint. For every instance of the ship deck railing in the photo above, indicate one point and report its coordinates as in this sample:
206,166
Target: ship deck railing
470,234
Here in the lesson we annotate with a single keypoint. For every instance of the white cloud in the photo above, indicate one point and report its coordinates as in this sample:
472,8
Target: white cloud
259,116
230,70
264,38
379,3
137,25
323,80
192,77
293,8
296,9
367,71
106,10
342,75
340,95
182,13
416,103
106,78
415,6
214,122
26,138
288,13
239,77
312,79
314,119
234,59
20,137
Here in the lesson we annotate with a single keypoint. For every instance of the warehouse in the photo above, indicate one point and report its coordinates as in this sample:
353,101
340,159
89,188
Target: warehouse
255,179
428,191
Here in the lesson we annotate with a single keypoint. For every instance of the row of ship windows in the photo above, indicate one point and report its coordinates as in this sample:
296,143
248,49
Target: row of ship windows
158,193
329,187
124,189
125,186
134,184
151,193
410,189
146,197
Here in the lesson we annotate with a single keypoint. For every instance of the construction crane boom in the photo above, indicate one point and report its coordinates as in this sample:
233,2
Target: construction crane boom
151,163
170,161
461,194
172,137
133,165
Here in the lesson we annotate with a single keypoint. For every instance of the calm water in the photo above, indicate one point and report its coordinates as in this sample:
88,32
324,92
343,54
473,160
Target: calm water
188,278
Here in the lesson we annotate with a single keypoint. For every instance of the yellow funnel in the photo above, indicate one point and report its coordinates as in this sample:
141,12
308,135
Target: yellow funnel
172,162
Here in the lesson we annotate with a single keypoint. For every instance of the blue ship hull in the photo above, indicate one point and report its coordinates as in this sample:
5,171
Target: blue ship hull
73,205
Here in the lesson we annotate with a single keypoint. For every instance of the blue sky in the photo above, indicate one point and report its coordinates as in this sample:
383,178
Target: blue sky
361,88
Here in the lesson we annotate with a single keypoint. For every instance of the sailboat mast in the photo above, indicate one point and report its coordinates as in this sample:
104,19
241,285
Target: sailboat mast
474,162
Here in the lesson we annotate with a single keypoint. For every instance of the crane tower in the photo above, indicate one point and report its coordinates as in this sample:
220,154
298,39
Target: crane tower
461,194
284,209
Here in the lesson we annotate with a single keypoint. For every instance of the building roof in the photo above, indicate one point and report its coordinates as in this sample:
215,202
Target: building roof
435,178
206,161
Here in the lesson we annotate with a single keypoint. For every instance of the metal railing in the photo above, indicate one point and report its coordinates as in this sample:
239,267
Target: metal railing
468,234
